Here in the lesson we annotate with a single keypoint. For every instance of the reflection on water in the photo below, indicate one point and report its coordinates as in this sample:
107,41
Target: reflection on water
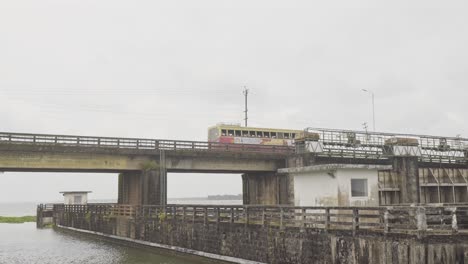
23,243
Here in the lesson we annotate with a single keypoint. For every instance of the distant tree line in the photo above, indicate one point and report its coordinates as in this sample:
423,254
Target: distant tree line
225,197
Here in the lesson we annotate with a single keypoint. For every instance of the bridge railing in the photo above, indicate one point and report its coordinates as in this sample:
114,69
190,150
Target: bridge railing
136,143
395,219
350,143
336,143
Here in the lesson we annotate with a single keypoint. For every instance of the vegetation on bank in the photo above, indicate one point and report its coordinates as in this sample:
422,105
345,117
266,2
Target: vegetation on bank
17,219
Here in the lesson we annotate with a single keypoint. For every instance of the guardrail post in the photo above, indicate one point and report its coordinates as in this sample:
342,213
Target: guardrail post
246,215
303,219
386,218
174,213
327,218
218,216
232,215
205,217
454,221
263,217
421,221
355,220
281,218
194,214
183,214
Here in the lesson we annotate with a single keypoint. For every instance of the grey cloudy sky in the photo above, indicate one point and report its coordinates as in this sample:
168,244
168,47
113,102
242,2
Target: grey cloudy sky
170,69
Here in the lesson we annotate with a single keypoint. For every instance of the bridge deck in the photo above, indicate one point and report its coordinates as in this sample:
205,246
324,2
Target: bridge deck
334,144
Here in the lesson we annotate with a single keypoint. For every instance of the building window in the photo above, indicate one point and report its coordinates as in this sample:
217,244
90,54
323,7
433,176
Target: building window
358,187
77,199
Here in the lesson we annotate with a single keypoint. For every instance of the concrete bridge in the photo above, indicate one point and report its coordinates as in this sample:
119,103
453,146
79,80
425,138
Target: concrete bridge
430,167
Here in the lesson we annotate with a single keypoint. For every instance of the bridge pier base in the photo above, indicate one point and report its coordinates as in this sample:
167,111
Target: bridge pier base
143,187
265,188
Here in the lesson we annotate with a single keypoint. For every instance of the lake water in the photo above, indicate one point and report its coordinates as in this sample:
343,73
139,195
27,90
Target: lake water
23,243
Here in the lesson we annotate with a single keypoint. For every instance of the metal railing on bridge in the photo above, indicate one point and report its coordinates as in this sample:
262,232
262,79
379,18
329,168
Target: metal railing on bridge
363,144
137,143
334,143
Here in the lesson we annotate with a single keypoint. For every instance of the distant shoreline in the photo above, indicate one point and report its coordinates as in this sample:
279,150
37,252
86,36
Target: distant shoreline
17,219
223,197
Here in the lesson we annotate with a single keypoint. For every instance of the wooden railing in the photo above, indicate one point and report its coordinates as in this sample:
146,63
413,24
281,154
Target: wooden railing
136,143
396,219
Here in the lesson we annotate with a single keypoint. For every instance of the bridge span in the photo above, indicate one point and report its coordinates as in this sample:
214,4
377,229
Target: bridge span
396,168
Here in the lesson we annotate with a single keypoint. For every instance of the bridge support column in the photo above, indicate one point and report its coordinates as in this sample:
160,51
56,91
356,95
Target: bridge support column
265,188
408,171
145,187
129,188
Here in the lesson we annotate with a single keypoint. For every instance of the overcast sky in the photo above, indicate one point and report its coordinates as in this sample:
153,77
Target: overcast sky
170,69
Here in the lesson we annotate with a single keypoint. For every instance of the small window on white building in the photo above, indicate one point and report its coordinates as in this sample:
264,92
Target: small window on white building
358,187
77,199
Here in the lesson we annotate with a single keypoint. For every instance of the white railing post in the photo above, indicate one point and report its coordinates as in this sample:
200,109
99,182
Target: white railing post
421,221
454,221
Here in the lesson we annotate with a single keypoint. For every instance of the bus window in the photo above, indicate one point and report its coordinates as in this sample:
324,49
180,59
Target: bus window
245,133
266,134
286,135
238,133
280,135
230,133
252,133
259,134
293,135
223,132
273,134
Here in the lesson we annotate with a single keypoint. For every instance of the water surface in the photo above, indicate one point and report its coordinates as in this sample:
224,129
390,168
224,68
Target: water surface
23,243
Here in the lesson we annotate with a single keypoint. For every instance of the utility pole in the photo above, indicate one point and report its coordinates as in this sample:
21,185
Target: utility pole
246,94
373,106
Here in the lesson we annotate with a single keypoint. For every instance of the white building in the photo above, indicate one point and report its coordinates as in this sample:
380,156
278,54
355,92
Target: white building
75,197
336,184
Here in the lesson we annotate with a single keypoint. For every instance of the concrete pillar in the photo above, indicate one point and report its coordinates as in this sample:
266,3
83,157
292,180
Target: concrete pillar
129,188
266,188
143,187
154,187
408,173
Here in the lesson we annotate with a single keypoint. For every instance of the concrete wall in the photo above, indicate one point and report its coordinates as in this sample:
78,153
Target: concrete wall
344,187
35,158
275,245
333,188
69,198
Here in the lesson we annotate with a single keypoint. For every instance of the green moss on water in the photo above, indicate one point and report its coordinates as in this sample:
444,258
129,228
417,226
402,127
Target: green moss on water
17,219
